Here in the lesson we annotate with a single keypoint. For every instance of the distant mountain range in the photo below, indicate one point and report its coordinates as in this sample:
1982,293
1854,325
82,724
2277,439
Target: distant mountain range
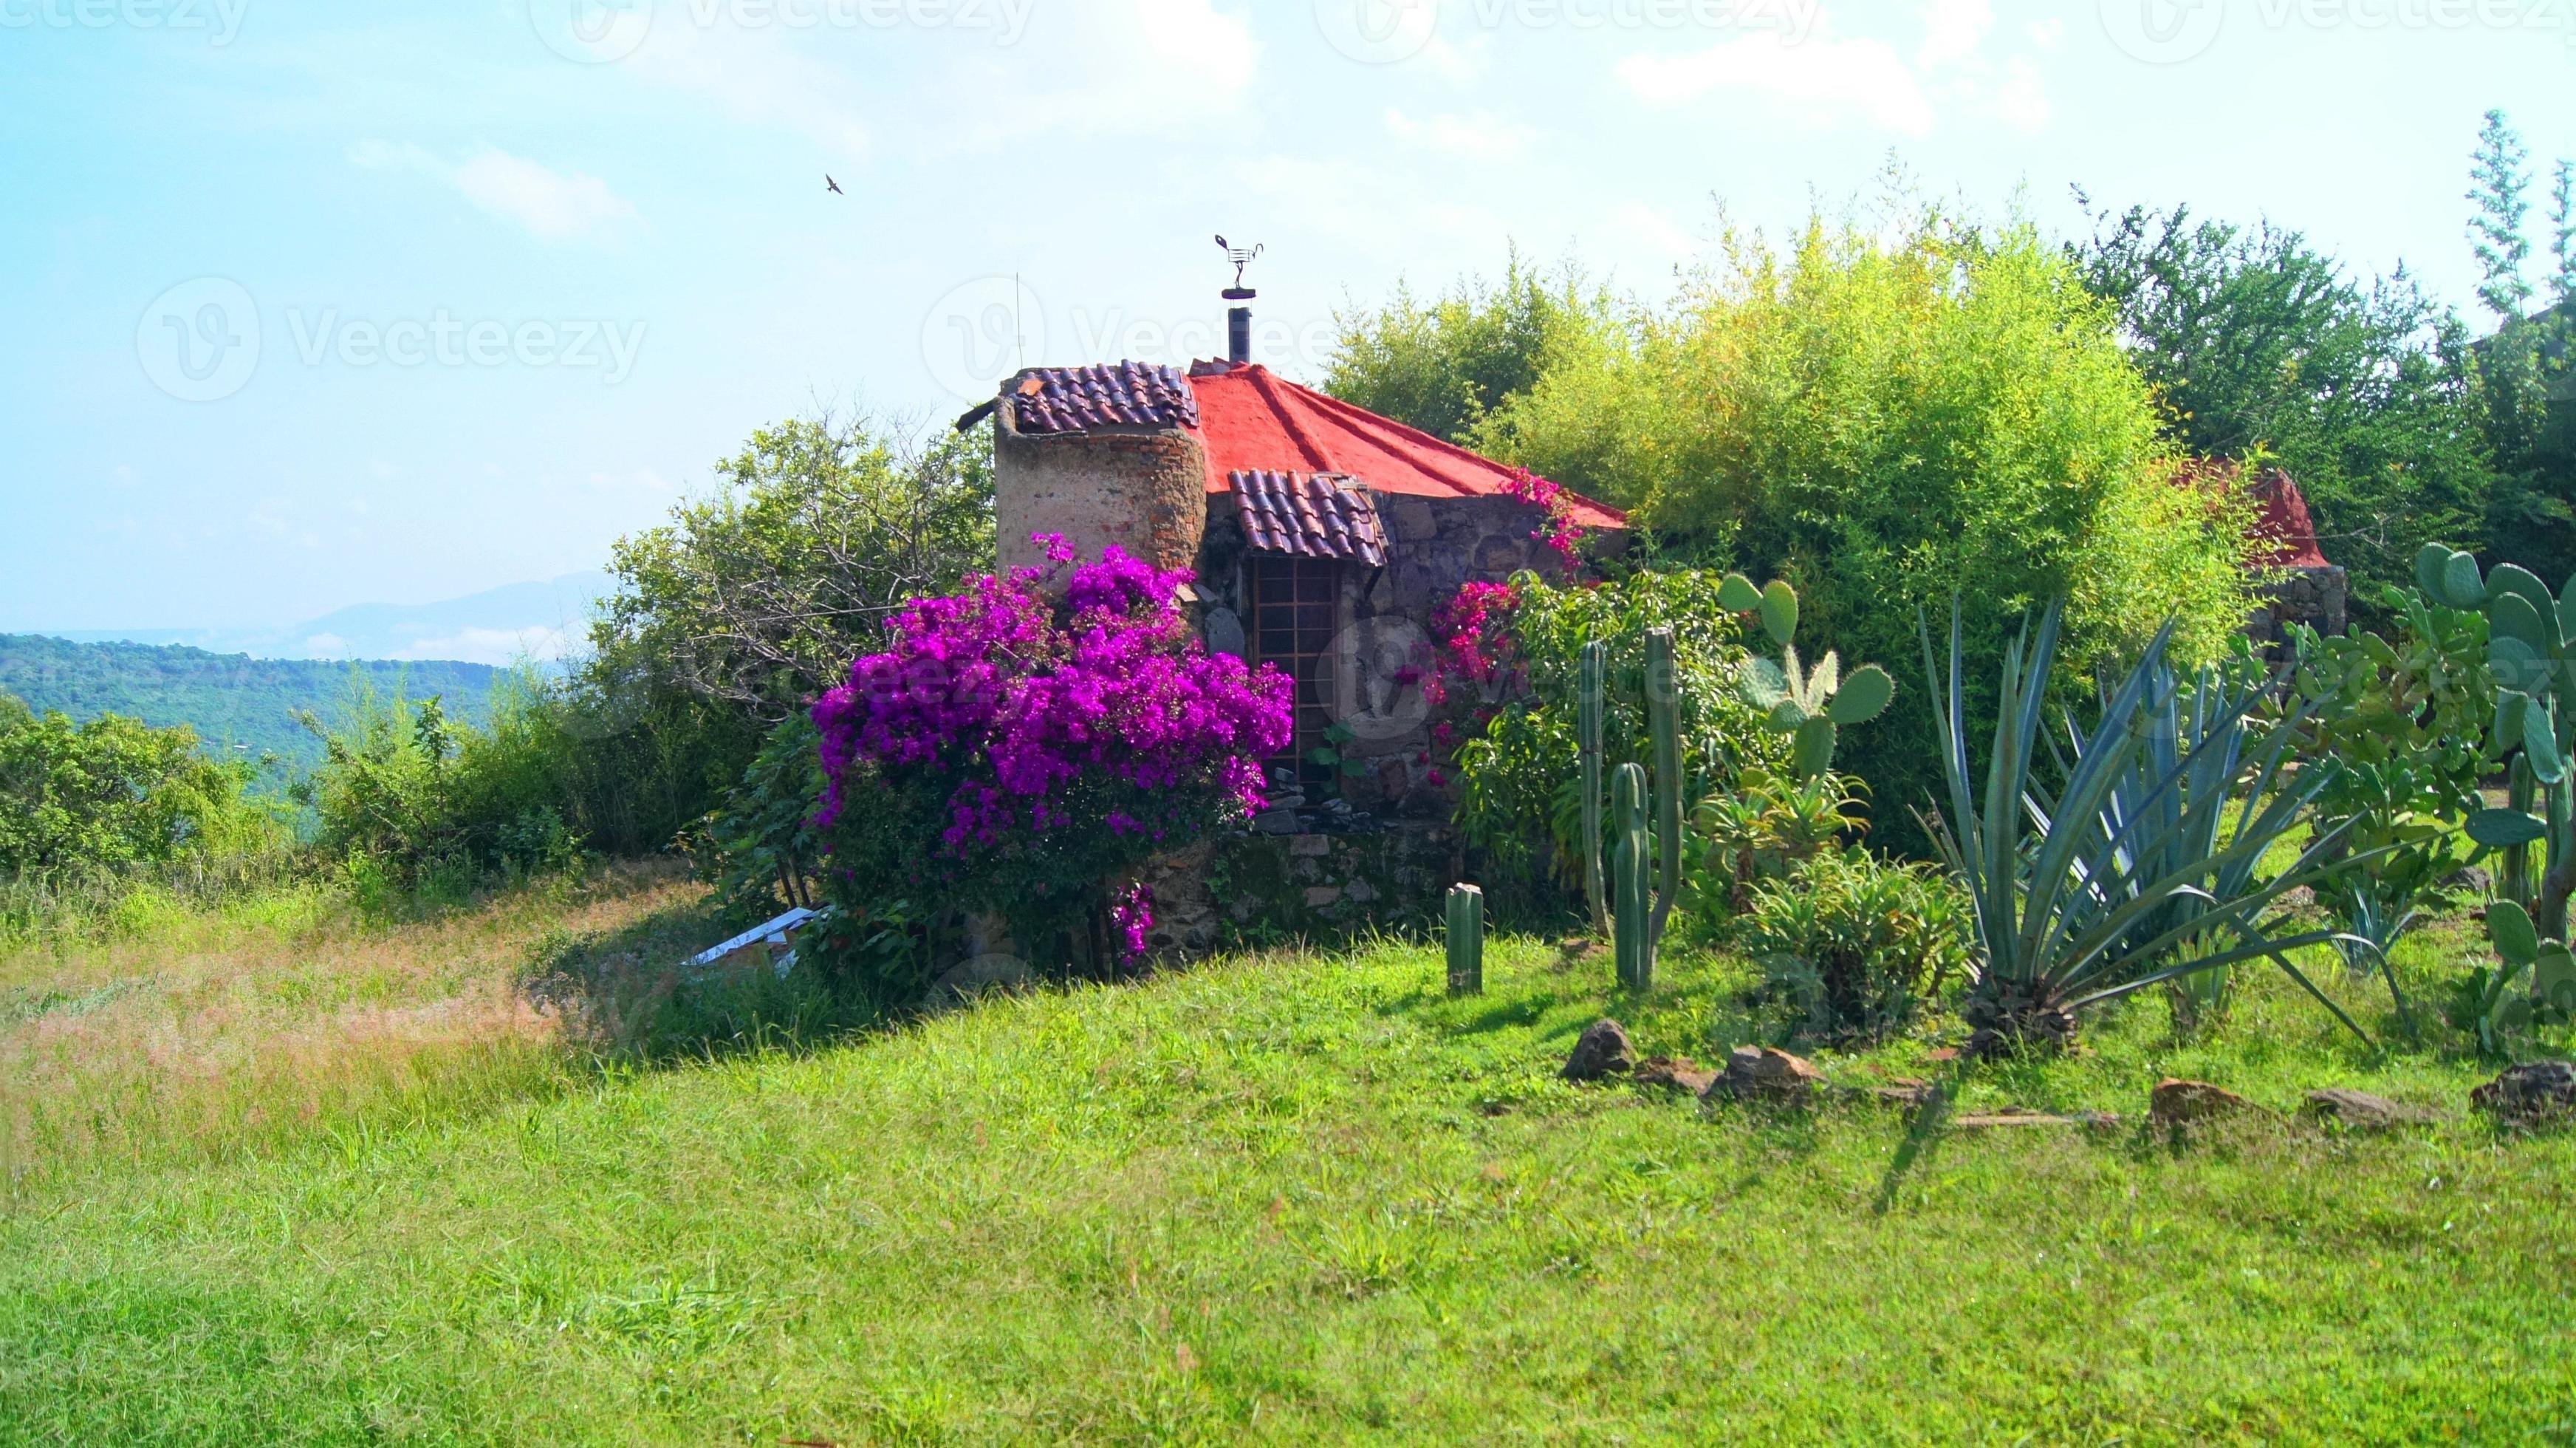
522,623
240,707
239,689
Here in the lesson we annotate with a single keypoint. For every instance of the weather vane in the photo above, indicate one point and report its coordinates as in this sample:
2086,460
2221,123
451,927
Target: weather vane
1241,257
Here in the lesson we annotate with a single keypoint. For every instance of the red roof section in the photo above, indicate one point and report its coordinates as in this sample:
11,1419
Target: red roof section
2281,518
1251,420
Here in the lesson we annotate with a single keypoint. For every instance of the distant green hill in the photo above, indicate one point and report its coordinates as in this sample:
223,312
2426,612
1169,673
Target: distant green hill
238,705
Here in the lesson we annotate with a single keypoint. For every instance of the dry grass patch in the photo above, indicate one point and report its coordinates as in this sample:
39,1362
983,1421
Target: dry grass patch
216,1032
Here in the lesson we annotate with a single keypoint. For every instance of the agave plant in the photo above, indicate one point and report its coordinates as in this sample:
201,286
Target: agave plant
2142,867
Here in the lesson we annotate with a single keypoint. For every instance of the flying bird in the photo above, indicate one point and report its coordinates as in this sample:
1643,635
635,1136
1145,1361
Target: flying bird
832,186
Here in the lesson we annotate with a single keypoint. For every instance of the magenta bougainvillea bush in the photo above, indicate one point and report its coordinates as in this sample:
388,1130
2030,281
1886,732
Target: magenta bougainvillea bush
1018,745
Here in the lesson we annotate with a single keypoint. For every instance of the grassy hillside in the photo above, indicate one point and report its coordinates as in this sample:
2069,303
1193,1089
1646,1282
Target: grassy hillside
229,699
1287,1198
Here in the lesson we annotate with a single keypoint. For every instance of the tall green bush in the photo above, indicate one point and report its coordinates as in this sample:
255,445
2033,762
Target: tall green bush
1887,423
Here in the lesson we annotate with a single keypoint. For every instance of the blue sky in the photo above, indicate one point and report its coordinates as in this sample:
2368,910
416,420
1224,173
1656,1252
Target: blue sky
309,305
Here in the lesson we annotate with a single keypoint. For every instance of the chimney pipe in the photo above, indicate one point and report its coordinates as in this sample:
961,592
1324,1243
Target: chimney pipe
1238,320
1238,330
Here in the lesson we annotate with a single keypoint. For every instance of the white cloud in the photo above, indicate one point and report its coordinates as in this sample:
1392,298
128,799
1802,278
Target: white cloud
2047,34
756,78
552,206
2021,103
1823,77
1114,67
1953,30
1481,136
1643,223
500,648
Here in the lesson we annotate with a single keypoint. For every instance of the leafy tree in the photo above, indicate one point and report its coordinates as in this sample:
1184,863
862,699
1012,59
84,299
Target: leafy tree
2497,182
757,598
2532,520
2260,346
1885,424
115,792
1443,365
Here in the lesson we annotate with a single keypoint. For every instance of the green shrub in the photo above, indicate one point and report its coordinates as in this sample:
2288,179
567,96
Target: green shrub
1886,425
115,792
1857,942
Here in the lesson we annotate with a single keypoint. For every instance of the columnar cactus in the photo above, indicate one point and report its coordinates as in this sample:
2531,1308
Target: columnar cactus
1811,704
1589,708
1466,940
1631,887
1663,731
2529,637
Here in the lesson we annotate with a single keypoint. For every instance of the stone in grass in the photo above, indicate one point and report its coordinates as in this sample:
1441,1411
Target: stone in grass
1679,1073
2177,1101
2529,1093
1602,1050
1765,1072
2361,1111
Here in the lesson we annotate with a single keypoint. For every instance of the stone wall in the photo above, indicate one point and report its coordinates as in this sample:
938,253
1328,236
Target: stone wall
1143,489
2317,597
1434,547
1261,888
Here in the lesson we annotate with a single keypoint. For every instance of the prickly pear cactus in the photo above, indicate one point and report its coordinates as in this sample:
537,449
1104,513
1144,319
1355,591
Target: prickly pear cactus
2529,633
1811,704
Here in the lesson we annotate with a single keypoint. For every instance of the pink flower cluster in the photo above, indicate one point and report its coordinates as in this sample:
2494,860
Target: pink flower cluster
1473,640
1027,704
1131,914
1558,530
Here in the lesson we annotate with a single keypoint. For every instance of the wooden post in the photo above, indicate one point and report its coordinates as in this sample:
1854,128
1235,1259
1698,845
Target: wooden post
1466,940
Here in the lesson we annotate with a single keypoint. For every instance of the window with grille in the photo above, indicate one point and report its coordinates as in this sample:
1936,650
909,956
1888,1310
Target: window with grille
1294,601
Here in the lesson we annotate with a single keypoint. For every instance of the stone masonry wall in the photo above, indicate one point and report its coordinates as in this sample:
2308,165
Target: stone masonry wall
1144,490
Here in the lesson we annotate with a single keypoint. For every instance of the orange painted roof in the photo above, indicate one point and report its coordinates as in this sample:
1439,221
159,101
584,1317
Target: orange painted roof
1251,420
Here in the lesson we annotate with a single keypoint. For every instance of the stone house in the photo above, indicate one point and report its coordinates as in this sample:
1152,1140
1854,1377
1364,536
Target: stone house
1321,538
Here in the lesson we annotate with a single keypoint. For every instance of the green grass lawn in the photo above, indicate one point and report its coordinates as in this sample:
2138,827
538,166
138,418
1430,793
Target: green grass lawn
1305,1198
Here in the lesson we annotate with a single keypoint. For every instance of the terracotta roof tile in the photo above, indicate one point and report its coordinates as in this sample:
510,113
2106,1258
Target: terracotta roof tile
1312,515
1124,394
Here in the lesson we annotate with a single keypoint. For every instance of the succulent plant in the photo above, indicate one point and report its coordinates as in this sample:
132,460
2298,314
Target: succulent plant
1466,940
2529,633
1631,887
1812,704
1590,708
2545,968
